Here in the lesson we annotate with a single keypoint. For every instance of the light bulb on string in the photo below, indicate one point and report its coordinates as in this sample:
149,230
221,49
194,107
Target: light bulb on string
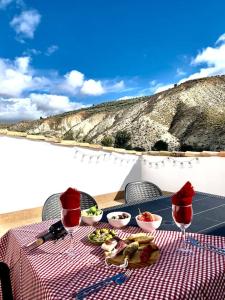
181,164
91,158
98,159
75,153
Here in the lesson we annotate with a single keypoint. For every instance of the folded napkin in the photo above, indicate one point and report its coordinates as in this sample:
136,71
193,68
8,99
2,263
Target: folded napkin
70,199
184,196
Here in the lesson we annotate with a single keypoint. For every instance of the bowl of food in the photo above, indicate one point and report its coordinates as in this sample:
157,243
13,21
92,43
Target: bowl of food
91,215
100,236
118,219
148,222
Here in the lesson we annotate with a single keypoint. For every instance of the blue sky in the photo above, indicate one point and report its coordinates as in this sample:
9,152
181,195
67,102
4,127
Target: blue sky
57,56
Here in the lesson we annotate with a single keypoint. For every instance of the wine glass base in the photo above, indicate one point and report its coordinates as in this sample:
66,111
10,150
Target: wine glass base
69,252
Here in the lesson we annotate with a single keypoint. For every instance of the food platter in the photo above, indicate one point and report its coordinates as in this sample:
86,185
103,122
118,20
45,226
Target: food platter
135,261
144,245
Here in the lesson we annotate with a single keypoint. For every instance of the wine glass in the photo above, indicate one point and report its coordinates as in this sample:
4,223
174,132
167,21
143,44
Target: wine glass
182,216
70,219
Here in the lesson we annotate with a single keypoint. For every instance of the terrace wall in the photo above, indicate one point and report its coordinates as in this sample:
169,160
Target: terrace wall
207,174
33,169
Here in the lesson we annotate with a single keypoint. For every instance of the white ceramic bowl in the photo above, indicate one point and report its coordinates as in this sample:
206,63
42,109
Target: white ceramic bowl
150,226
90,220
118,223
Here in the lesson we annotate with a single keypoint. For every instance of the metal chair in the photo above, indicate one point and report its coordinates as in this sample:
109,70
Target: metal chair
5,282
52,206
141,191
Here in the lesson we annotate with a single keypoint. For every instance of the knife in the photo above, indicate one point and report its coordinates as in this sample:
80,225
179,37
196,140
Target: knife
203,245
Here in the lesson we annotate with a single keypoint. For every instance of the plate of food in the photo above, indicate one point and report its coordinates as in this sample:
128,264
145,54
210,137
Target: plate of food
99,236
136,251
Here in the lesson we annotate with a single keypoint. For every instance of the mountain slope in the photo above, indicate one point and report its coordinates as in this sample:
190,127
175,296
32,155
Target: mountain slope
192,113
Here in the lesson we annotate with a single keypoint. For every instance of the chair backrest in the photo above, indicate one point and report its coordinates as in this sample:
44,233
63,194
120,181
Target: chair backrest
5,282
52,206
140,191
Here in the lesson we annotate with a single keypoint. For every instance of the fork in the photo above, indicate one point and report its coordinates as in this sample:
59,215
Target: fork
203,245
119,278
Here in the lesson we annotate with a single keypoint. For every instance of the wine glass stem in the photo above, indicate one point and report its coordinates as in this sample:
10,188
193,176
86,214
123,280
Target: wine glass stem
184,236
71,241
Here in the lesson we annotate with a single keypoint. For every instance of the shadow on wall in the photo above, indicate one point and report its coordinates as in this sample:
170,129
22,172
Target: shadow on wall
134,175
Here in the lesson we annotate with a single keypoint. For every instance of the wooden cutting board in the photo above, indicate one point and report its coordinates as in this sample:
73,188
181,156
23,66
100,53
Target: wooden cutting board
135,261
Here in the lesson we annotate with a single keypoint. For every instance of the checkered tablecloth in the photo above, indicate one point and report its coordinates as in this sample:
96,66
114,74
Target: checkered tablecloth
47,274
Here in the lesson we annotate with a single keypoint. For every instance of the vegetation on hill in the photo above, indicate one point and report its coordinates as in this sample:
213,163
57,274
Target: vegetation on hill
190,115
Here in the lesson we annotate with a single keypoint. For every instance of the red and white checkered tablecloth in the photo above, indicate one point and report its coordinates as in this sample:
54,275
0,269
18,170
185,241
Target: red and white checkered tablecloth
47,274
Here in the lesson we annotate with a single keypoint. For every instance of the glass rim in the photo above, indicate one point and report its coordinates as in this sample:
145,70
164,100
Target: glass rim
71,208
182,205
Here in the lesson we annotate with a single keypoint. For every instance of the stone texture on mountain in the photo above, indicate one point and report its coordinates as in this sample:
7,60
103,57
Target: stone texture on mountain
192,113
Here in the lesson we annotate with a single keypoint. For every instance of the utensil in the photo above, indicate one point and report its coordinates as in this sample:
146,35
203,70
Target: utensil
119,278
206,246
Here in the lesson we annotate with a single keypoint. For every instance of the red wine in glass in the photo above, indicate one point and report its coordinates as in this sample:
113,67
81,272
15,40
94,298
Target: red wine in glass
182,216
70,219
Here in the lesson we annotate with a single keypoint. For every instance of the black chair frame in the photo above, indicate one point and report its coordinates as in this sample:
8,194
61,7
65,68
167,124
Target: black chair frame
140,191
52,206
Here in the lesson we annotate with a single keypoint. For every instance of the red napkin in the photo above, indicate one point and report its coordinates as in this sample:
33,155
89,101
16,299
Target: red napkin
70,199
184,196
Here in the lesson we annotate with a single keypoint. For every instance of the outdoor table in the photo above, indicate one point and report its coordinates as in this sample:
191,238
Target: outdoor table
46,273
208,213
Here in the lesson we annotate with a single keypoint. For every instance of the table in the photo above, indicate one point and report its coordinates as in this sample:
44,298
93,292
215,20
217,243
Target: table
47,274
208,209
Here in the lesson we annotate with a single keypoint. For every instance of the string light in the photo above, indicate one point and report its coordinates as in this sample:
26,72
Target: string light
125,159
175,162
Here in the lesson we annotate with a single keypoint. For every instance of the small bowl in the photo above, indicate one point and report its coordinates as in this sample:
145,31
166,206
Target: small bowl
118,223
90,220
150,226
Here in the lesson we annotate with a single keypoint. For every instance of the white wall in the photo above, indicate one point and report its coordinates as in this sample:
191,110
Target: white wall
30,171
206,175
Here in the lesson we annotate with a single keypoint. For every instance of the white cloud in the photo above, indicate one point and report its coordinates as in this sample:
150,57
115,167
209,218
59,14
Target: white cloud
92,87
74,79
125,98
34,92
14,78
35,106
22,64
153,82
53,104
26,23
163,88
221,39
4,3
118,86
51,49
213,58
18,77
31,52
180,72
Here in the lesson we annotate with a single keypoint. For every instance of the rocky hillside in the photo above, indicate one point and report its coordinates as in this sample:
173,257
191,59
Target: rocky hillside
192,113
